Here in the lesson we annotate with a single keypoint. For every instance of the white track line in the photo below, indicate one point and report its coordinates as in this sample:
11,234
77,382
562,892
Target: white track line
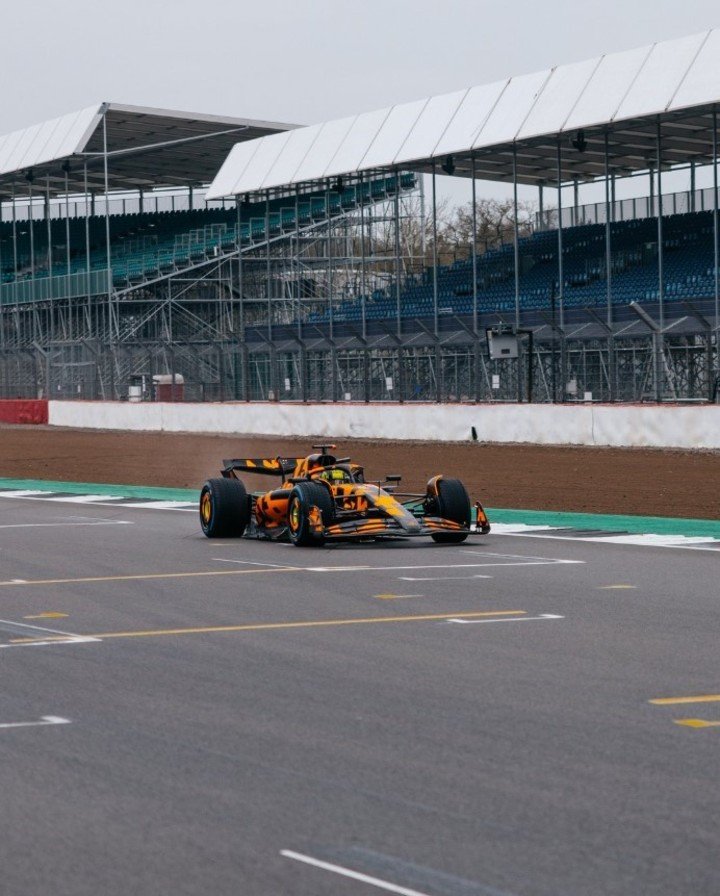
65,525
68,637
348,872
541,617
45,720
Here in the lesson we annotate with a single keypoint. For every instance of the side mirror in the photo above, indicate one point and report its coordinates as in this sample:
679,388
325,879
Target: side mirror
393,478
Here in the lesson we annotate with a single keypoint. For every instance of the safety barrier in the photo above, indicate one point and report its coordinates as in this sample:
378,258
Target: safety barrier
23,411
644,426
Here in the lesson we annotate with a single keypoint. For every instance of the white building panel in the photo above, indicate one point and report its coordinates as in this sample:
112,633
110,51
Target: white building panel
607,88
289,160
361,134
430,126
660,77
512,109
703,78
558,99
471,115
393,134
327,144
260,164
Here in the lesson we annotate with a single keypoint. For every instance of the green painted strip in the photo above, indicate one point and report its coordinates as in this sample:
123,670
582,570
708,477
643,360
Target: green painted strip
645,525
98,488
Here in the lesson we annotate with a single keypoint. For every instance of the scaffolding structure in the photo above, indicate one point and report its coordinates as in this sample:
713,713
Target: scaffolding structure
299,294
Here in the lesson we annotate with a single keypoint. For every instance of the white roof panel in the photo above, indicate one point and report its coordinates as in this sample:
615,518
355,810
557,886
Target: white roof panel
512,109
471,115
357,141
607,88
75,131
232,169
430,126
17,158
10,141
703,78
638,84
393,133
262,161
324,148
558,99
660,77
36,151
57,138
292,155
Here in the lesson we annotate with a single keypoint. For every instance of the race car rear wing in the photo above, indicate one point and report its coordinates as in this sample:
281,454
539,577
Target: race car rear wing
270,466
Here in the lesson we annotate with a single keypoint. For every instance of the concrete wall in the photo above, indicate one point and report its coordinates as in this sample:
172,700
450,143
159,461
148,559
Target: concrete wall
664,426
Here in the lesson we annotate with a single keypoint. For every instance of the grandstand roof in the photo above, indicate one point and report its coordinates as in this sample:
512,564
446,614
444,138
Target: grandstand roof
626,94
146,148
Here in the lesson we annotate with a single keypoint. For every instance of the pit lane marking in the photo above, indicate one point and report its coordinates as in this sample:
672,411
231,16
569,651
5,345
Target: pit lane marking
269,626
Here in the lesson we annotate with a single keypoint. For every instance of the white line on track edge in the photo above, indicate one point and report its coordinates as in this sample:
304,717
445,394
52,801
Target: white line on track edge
348,872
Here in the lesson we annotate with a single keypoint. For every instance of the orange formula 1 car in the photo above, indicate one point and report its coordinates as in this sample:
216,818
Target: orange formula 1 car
323,498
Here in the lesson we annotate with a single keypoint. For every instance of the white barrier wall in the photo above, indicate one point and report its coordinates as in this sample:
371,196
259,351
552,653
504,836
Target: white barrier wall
646,426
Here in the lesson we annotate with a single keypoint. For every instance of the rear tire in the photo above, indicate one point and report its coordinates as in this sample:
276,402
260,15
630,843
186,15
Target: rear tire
452,503
224,508
304,496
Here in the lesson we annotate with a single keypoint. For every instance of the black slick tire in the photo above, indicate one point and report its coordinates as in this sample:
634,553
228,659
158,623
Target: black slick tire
304,496
452,503
224,508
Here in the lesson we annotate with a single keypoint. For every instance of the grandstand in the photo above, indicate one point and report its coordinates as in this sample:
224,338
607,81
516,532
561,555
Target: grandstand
265,261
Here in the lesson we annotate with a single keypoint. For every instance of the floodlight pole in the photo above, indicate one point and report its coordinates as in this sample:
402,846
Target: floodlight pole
363,272
516,242
107,227
608,272
661,283
331,316
48,226
241,304
474,249
435,255
66,169
561,271
267,268
87,244
32,232
716,248
474,283
398,298
15,252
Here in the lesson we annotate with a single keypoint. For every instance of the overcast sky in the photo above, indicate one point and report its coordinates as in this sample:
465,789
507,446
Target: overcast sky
301,60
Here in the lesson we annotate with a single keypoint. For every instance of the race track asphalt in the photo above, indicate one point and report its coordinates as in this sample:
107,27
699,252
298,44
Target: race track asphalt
239,717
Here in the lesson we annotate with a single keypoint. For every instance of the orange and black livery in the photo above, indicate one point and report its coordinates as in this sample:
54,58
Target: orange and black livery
322,497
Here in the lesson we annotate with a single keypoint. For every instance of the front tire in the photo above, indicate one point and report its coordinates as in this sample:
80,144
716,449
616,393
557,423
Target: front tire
452,503
224,508
304,496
